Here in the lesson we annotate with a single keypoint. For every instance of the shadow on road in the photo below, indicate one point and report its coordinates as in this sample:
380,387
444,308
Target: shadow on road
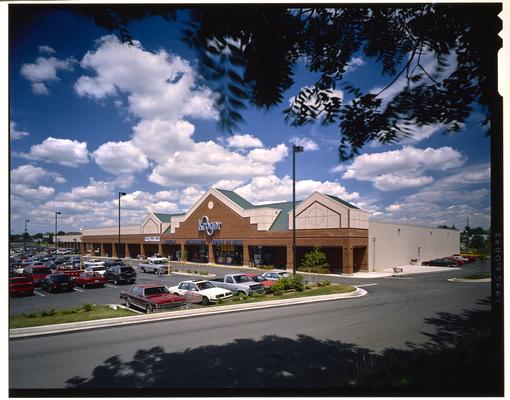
456,361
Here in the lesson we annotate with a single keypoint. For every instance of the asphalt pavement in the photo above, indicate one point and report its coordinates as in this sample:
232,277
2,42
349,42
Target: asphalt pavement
294,346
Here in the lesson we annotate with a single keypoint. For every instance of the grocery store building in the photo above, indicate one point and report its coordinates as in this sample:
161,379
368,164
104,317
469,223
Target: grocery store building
224,228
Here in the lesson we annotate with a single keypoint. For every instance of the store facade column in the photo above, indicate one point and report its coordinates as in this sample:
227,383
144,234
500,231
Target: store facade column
183,251
210,253
101,249
114,250
126,251
83,249
246,255
290,257
142,250
160,249
347,260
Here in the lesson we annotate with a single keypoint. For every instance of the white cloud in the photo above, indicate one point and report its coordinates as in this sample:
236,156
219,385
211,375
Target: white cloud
45,70
14,133
94,190
244,141
403,168
228,184
267,189
46,49
308,144
69,153
35,193
30,175
159,85
354,63
120,158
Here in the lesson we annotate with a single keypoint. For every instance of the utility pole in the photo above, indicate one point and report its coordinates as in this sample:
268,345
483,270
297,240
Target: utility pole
295,149
118,245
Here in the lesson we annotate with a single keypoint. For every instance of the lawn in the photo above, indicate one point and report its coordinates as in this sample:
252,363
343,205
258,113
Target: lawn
478,276
87,312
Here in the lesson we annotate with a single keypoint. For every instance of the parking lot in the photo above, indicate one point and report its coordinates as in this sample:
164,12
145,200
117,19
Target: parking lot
110,293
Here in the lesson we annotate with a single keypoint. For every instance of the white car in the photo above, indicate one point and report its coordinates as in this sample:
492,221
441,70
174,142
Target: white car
101,269
275,275
200,291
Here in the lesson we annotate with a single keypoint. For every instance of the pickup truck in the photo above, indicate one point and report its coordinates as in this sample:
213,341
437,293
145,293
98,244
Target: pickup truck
154,265
68,269
238,283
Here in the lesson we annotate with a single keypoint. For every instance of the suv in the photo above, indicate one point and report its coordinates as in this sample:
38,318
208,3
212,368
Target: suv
120,274
57,282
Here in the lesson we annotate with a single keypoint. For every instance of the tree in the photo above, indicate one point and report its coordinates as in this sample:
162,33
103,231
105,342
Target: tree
247,54
315,261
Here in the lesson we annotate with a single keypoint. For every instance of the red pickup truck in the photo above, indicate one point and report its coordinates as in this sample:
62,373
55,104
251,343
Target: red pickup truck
37,273
20,285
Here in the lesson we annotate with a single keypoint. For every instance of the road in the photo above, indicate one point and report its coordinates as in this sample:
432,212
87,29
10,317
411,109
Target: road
294,346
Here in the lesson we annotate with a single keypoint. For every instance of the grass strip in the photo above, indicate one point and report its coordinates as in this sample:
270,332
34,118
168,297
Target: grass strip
477,276
87,312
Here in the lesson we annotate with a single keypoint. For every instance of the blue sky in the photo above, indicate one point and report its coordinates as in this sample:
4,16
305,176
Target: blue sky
90,116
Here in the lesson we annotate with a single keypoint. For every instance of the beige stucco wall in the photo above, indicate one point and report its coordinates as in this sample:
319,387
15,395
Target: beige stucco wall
69,238
394,244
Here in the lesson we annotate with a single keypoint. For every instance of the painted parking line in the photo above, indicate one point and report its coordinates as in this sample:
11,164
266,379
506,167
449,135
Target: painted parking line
368,284
110,286
40,294
78,290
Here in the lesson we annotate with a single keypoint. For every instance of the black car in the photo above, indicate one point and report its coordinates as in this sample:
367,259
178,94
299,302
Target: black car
112,263
57,282
440,262
120,274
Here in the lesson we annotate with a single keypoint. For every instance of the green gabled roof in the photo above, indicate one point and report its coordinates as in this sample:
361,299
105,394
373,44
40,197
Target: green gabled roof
343,202
166,217
281,223
241,202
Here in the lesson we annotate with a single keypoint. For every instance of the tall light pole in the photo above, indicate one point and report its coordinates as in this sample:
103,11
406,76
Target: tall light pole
295,149
25,248
118,245
56,234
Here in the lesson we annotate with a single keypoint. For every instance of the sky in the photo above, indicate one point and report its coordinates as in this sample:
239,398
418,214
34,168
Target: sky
90,116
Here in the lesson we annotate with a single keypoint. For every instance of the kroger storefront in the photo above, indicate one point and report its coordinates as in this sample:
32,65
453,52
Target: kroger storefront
224,228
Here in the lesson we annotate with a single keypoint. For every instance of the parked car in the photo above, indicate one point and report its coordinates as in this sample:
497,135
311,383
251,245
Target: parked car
120,274
439,262
101,269
111,263
154,265
57,282
260,279
457,262
20,285
200,291
36,273
275,275
151,297
87,279
238,283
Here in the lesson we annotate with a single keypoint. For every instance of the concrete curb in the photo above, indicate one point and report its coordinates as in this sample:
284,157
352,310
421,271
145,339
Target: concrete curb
461,280
163,316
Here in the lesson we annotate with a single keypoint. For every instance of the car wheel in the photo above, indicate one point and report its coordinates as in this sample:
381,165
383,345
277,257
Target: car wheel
149,308
128,303
115,282
205,301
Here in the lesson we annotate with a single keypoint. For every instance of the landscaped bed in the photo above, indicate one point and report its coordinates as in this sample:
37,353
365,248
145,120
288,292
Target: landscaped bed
478,276
87,312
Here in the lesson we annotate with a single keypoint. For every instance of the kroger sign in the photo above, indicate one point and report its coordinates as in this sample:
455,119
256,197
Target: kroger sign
209,227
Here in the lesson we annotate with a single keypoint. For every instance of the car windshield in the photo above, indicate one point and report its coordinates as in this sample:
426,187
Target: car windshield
258,278
241,278
205,285
60,278
126,269
160,261
156,290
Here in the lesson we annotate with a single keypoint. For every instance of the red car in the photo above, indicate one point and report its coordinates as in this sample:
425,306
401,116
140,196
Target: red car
454,260
20,285
260,279
86,279
37,273
151,297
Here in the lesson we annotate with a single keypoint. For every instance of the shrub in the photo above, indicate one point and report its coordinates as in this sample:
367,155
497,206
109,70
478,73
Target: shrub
323,283
298,283
315,261
188,271
48,313
87,307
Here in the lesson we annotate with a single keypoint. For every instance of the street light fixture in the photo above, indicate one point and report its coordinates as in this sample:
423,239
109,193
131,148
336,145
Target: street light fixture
25,248
295,149
56,234
118,245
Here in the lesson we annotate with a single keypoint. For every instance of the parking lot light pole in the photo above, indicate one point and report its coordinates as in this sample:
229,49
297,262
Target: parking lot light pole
56,234
25,236
118,245
295,149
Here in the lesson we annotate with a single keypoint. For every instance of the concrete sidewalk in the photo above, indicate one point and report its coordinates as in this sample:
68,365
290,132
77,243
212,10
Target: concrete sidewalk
168,315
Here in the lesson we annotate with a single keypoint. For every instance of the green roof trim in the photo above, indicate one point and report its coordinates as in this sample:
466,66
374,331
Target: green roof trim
233,196
281,223
166,217
343,202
